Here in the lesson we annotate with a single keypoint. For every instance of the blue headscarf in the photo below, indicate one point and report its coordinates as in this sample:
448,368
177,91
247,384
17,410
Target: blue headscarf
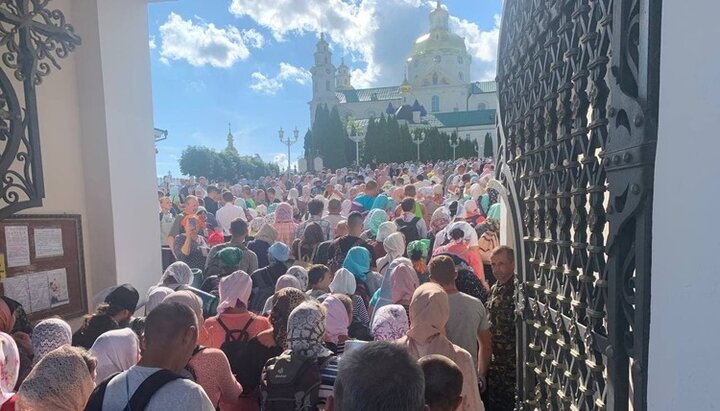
357,261
374,219
381,202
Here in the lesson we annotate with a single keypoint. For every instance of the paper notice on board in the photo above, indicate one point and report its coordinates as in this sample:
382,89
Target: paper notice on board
17,289
57,281
48,242
3,270
17,246
39,291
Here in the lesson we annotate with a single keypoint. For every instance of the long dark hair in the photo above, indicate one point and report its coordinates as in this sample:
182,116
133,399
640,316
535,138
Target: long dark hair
312,236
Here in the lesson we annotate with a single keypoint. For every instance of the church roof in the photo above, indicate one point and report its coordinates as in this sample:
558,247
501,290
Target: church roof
480,87
368,94
471,118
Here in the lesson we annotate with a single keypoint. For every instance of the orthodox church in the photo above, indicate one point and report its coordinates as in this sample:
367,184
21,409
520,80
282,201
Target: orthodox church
437,90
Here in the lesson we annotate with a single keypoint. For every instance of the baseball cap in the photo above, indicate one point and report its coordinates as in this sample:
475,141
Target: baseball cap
123,296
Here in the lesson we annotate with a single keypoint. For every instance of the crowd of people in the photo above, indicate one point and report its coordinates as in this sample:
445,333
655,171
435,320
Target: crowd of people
366,289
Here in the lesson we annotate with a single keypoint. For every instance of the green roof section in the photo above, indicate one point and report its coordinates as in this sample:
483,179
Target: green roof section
481,87
368,94
458,119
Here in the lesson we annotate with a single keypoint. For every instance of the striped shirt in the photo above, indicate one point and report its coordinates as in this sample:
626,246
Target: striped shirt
328,374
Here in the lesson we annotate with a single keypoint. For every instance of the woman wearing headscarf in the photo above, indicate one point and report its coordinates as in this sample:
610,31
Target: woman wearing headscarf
301,274
345,283
156,296
372,222
305,334
285,224
177,276
381,203
418,252
11,315
305,247
48,335
438,222
390,323
384,295
61,381
262,242
267,344
345,208
429,313
338,314
115,351
9,371
209,367
394,246
459,245
285,281
233,311
357,261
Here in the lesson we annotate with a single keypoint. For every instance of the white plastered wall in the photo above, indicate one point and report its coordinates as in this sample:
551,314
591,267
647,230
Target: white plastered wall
684,328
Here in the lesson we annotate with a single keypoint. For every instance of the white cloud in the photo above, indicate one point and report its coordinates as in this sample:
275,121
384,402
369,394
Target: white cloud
374,35
205,44
288,73
151,43
281,160
195,86
482,45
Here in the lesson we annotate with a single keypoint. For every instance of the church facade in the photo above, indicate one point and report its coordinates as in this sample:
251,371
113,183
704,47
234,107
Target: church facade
437,90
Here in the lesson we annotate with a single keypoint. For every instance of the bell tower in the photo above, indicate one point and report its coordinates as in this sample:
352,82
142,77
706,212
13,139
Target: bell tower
323,77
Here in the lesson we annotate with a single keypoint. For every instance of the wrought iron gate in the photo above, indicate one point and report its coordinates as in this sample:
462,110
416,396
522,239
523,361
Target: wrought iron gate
577,127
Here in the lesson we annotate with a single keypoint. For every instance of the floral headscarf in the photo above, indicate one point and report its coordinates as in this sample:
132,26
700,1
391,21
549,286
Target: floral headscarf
343,282
48,335
421,246
284,302
357,261
287,281
384,294
301,274
306,329
390,323
60,382
374,219
284,213
9,366
439,220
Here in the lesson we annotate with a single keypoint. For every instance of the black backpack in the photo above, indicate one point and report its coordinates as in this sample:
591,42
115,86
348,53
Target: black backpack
235,345
140,398
408,229
291,382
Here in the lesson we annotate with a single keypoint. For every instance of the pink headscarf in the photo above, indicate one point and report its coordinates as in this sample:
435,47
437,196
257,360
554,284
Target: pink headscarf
286,281
337,320
233,288
9,367
398,194
403,281
284,213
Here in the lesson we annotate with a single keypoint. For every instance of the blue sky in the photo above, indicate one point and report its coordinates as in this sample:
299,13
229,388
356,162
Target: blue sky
245,62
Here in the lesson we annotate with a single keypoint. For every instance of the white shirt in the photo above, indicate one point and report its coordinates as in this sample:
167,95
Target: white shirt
226,214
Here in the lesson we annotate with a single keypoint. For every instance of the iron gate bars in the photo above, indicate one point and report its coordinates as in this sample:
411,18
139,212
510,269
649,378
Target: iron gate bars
33,39
577,129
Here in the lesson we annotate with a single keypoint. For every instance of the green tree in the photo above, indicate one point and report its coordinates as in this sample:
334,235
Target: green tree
333,148
197,161
488,150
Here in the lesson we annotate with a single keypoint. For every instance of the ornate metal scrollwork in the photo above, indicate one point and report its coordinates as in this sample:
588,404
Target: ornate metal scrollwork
577,89
33,39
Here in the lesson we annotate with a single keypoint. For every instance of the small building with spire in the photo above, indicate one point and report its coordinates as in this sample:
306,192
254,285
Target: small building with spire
231,142
437,80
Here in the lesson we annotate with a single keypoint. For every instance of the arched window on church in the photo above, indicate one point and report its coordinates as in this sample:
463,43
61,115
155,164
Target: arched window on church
435,79
435,104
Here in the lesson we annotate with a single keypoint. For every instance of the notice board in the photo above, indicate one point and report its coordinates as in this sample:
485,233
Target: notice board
42,265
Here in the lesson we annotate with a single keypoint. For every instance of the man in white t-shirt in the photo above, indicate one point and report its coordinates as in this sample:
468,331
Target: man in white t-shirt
170,338
228,212
469,322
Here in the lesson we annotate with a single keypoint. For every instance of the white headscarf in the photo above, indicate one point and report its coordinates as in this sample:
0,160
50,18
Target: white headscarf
345,208
234,287
344,282
116,351
385,229
178,270
394,245
156,296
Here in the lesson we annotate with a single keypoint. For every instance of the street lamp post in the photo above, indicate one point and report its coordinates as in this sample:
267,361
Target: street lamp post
454,144
418,138
288,142
353,135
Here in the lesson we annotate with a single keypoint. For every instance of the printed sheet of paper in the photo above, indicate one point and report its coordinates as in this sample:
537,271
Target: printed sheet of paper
17,289
39,291
48,242
17,246
57,281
